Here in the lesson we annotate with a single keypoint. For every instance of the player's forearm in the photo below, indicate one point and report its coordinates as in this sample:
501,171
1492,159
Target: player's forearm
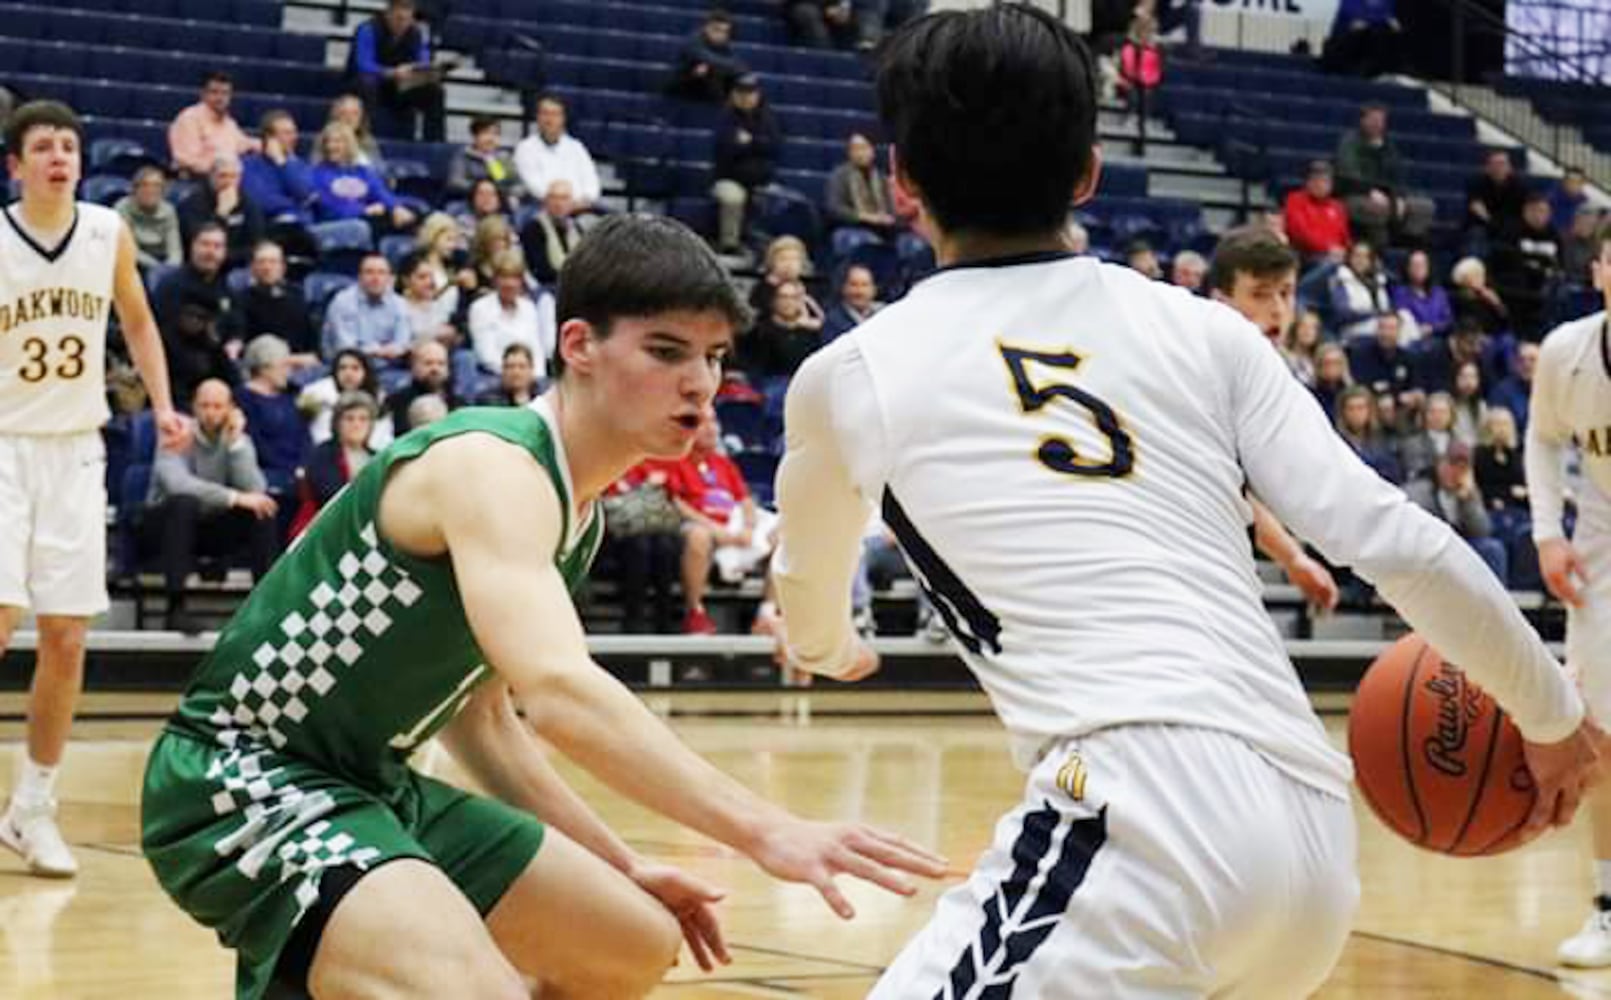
145,347
1272,539
592,719
1546,486
1463,611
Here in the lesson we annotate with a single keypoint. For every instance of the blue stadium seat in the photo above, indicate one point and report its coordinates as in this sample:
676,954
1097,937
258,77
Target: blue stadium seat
319,286
103,189
396,247
238,280
117,156
342,243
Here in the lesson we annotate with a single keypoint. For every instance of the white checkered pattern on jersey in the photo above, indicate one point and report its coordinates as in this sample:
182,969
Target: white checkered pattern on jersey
313,852
321,638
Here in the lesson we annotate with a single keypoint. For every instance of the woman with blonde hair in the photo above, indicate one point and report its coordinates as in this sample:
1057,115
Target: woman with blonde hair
1301,344
1497,463
347,189
1356,423
443,247
493,237
1331,375
786,260
349,110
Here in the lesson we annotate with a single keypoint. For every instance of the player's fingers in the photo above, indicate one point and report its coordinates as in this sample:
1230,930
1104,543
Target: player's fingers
853,862
834,898
938,863
710,932
696,944
1543,808
1566,804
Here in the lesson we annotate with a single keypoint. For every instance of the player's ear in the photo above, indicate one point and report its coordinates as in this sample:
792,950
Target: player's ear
577,346
1085,188
908,199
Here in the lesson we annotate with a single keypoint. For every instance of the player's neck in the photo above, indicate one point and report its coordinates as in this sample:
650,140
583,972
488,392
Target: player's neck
45,215
971,247
593,451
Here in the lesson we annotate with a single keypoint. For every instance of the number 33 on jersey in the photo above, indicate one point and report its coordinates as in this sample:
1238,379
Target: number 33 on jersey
54,305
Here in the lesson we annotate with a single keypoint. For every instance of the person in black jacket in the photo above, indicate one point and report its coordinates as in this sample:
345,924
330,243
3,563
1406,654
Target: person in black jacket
193,349
748,142
222,200
202,274
390,63
272,305
706,66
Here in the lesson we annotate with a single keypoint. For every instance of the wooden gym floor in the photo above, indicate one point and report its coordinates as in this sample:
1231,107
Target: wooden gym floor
1428,926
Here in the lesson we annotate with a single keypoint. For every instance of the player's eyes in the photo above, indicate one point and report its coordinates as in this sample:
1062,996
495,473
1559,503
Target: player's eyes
670,355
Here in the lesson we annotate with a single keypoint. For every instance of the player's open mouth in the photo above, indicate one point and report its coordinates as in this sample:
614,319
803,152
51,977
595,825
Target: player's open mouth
689,421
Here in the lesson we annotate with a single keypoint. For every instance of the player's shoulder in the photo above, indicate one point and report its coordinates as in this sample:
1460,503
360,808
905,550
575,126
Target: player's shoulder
1565,344
100,216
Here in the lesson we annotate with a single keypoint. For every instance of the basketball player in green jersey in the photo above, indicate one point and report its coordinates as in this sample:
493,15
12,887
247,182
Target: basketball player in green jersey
433,595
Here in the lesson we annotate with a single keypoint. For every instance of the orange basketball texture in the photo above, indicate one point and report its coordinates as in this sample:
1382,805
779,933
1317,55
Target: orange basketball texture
1437,760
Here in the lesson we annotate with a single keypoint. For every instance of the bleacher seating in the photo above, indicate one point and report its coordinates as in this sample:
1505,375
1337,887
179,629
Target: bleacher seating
1563,103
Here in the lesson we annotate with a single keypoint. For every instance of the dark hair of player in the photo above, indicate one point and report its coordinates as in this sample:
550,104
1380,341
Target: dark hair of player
642,265
993,116
1253,251
217,76
40,114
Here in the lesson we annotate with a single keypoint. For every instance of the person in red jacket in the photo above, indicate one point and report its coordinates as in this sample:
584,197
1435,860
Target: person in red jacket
1317,220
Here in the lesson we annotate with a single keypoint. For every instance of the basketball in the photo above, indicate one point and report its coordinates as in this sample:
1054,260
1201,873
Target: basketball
1438,761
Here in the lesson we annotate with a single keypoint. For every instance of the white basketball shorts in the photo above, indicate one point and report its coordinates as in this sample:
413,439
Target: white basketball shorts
53,523
1146,862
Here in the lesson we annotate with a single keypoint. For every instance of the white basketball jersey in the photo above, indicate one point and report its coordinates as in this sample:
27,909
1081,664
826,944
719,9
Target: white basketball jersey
1572,400
54,305
1061,448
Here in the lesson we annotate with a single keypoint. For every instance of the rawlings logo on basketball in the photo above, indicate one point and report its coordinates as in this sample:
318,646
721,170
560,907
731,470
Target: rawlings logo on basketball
1459,705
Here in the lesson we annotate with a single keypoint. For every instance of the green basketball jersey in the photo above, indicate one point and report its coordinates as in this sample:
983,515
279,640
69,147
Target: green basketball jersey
350,653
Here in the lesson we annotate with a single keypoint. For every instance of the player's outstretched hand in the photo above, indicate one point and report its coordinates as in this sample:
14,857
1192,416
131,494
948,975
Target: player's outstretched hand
798,850
1562,772
693,902
173,430
1310,577
1562,569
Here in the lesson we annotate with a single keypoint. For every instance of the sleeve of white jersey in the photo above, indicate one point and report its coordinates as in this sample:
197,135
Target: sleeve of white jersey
1304,472
1547,437
821,513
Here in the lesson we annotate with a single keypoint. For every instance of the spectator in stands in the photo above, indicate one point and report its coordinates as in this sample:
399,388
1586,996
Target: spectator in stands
205,131
1423,449
550,235
428,368
1359,293
270,304
786,260
1371,179
748,141
1527,265
1140,62
346,189
430,316
1499,465
390,64
643,531
485,202
706,66
482,159
1188,270
1494,197
370,317
349,110
1513,393
494,237
278,432
1474,301
276,178
427,410
442,244
1300,346
821,24
200,278
509,316
1141,258
858,193
784,337
1436,365
221,200
1425,302
192,346
1579,248
335,461
152,219
1317,220
874,18
1356,424
1331,376
349,372
1470,409
858,301
1380,362
1570,194
518,382
1451,495
553,154
208,499
1365,39
723,527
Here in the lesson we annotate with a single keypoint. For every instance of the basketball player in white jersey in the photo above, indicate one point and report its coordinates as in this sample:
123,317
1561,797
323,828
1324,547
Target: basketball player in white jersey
1571,400
63,264
1060,447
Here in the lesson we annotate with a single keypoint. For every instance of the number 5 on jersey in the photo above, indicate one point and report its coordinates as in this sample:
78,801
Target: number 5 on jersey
1059,453
39,363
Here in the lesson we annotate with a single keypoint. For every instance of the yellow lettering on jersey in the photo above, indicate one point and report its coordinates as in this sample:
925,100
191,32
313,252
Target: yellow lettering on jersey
52,303
1071,777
